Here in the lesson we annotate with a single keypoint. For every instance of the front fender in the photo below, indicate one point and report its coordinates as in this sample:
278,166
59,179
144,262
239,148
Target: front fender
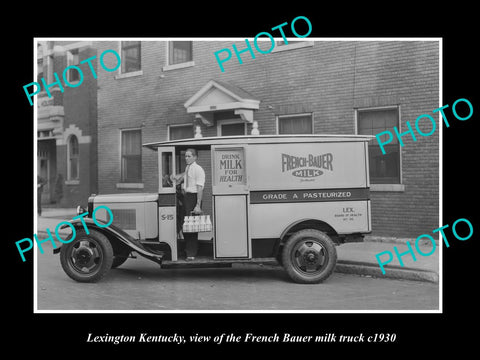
113,232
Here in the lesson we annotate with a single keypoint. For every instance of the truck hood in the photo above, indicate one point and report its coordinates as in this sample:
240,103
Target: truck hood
126,198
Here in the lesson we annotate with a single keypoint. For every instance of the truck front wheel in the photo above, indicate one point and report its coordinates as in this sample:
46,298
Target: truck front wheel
309,256
88,257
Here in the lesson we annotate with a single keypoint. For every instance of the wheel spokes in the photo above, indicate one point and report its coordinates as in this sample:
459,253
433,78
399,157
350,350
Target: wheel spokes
85,256
309,256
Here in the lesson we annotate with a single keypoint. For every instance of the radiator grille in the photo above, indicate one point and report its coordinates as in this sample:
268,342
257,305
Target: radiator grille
125,219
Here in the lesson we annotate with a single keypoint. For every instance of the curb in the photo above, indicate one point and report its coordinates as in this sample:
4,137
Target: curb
391,272
395,240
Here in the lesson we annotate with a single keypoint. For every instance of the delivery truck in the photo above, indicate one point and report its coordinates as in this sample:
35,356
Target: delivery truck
283,199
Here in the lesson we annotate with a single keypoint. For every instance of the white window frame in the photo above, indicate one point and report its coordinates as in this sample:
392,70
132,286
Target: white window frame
124,185
296,44
70,62
190,125
277,120
121,75
229,122
50,71
168,67
385,187
69,180
40,71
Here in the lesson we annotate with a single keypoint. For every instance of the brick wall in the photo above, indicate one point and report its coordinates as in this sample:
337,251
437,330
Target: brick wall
80,110
404,74
330,79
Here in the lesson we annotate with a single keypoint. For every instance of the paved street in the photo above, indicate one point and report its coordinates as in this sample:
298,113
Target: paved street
140,285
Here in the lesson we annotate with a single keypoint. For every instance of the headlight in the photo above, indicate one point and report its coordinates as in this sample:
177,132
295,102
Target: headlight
80,210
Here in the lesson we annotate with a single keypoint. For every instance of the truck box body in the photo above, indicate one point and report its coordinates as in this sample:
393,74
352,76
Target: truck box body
327,181
261,187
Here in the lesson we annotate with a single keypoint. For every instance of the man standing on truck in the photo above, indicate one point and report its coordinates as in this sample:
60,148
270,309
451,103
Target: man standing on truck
193,183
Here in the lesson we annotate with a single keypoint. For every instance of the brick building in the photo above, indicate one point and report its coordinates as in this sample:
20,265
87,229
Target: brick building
66,123
171,89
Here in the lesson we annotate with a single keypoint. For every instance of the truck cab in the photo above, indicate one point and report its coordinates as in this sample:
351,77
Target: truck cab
288,199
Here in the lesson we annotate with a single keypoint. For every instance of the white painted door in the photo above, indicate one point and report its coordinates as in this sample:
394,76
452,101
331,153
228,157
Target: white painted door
230,202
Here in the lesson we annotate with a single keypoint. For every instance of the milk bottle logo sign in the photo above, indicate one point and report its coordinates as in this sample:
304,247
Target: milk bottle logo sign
307,167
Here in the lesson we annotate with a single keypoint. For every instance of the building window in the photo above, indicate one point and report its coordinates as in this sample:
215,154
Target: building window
131,56
179,52
384,169
231,128
292,44
73,59
39,70
176,132
295,124
131,166
39,63
73,158
50,71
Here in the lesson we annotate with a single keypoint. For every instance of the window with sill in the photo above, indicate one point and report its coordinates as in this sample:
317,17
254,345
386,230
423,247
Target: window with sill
384,169
232,128
295,124
292,44
131,164
73,158
180,52
131,56
73,74
180,132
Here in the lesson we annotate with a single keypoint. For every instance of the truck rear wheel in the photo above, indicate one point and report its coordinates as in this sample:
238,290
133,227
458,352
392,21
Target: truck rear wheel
88,257
309,256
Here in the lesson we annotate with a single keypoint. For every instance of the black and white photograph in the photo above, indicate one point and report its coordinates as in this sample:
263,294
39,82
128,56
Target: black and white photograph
233,177
237,181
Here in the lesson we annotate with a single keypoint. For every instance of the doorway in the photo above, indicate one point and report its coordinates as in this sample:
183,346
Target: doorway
43,171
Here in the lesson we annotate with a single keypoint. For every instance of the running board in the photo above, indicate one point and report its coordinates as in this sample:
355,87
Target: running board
205,262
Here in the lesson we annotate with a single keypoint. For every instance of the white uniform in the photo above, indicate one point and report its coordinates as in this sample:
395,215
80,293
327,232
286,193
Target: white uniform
194,175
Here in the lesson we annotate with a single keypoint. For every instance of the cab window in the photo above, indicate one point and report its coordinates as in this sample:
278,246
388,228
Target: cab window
167,169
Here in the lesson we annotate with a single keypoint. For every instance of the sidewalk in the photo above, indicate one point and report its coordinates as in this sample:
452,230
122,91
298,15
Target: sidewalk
353,258
52,216
359,258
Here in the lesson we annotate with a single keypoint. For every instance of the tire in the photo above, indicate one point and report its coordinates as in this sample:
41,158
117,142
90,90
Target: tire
88,257
309,256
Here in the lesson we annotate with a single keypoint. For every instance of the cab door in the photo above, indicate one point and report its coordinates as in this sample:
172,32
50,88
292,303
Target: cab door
167,209
230,202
